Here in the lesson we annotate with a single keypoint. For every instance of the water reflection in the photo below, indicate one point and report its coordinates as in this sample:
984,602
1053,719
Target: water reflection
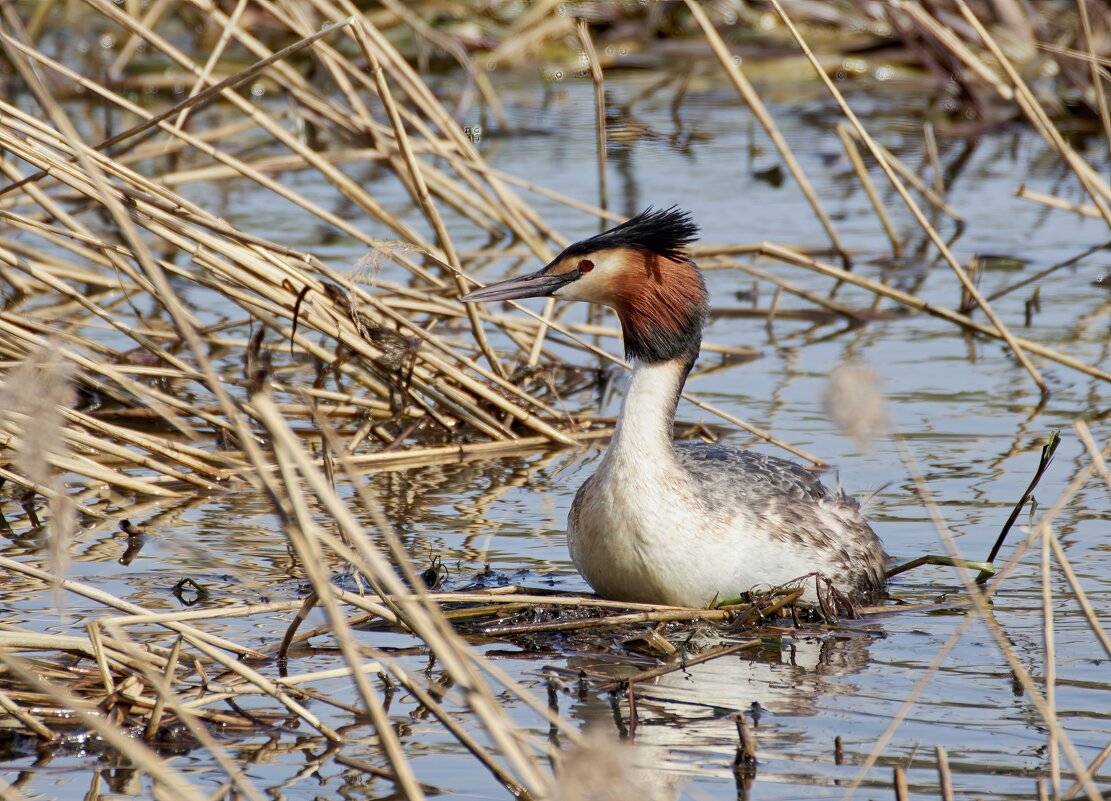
686,719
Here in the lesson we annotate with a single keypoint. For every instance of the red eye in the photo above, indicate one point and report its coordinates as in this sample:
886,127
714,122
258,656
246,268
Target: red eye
586,265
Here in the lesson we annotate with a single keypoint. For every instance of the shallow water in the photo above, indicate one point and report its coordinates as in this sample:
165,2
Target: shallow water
966,410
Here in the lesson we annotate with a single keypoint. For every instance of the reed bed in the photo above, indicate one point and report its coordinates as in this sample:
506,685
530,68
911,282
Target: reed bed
118,381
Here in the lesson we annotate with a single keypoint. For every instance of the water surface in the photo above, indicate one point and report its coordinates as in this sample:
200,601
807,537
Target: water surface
969,415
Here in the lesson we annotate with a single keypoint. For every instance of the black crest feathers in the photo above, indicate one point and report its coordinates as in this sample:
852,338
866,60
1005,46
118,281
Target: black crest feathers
665,232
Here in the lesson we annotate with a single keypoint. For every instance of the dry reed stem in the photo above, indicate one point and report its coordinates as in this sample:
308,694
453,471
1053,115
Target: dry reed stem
213,57
26,718
984,613
944,776
1093,184
268,688
516,215
100,596
1049,667
169,784
899,781
544,191
934,159
869,187
103,447
1075,788
582,28
1098,462
939,243
1057,203
155,719
911,177
914,302
962,629
163,293
787,286
342,183
356,342
131,46
47,492
1096,73
752,99
1081,597
301,530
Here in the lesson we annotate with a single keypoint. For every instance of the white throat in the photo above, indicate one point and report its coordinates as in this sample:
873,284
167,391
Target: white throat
645,428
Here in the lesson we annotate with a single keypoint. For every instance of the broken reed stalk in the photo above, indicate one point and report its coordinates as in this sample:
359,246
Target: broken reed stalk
745,760
944,776
1052,201
899,782
1043,464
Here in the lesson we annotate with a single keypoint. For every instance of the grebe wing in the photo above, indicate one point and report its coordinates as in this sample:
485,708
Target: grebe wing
727,475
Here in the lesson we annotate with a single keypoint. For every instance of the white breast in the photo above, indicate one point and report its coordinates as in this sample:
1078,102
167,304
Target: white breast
637,535
639,529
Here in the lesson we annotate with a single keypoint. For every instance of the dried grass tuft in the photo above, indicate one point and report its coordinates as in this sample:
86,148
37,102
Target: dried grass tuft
32,401
605,769
853,399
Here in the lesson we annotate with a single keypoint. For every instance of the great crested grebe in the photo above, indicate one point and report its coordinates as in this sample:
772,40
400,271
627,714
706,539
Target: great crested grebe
687,523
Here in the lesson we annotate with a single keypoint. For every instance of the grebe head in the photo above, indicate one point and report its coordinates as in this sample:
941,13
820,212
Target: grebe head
642,270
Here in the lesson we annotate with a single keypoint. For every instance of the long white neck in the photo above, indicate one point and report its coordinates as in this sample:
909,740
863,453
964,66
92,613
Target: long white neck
645,427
